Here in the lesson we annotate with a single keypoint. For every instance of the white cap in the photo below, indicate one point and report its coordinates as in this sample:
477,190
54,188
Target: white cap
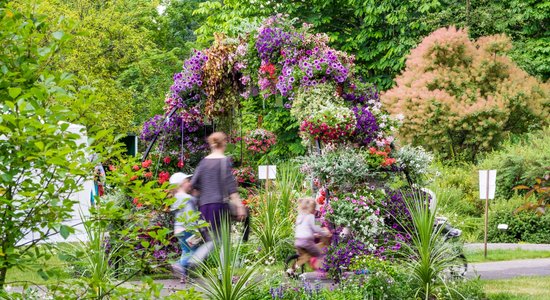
177,178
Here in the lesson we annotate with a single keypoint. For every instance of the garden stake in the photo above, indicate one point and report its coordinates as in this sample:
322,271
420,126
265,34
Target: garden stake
486,216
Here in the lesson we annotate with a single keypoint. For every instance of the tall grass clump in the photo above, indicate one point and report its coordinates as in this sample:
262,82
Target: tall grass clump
224,277
288,186
429,256
270,225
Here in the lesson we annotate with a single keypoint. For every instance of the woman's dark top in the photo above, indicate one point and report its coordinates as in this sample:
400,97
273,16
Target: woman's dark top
207,180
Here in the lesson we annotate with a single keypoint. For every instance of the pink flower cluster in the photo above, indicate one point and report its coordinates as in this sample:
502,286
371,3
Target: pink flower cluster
260,140
244,175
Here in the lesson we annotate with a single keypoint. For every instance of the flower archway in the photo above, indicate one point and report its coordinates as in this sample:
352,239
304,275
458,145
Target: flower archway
279,66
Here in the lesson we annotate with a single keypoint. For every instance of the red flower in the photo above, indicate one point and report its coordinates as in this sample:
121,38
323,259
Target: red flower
181,164
112,168
163,177
148,175
135,168
147,163
136,201
388,162
167,160
372,150
133,178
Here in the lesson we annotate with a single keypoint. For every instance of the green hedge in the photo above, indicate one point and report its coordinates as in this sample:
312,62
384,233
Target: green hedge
522,227
521,162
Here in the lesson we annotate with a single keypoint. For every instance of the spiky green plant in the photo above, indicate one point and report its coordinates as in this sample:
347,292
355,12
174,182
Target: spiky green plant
288,183
269,225
223,278
430,257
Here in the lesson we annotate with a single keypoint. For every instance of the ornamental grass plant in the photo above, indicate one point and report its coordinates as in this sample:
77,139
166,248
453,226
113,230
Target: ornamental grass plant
272,228
429,256
225,277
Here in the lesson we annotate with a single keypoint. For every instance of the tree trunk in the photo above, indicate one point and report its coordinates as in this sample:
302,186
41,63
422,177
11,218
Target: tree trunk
3,272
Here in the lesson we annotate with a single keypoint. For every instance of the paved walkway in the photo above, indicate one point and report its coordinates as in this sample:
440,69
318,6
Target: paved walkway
510,269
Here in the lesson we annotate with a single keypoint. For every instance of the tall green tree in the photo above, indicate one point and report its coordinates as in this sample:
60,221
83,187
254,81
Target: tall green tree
42,162
379,33
126,51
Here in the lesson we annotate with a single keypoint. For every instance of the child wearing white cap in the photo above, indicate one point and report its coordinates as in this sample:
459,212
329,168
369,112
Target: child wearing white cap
182,207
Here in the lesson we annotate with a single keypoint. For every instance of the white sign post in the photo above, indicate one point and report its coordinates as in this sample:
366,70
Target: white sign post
487,187
267,173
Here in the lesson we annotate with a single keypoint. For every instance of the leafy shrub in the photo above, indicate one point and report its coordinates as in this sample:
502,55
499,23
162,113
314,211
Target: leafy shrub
522,227
461,97
471,289
456,188
520,163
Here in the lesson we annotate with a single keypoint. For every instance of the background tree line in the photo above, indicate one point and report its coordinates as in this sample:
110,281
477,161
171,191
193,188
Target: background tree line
128,50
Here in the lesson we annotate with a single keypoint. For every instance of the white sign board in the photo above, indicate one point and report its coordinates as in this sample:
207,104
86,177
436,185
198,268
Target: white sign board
267,172
487,181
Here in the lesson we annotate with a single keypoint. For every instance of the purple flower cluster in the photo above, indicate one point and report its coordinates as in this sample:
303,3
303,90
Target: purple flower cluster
366,128
361,95
269,42
340,254
188,82
310,67
190,119
395,211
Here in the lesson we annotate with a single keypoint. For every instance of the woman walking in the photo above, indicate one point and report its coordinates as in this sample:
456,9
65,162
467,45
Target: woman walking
215,182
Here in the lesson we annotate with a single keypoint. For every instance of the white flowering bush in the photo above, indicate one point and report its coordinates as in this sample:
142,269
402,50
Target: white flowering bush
341,170
416,162
359,213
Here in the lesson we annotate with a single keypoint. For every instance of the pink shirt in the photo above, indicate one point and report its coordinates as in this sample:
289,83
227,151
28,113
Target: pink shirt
305,227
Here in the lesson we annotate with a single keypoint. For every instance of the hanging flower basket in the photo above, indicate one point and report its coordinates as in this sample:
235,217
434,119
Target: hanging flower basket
260,141
330,125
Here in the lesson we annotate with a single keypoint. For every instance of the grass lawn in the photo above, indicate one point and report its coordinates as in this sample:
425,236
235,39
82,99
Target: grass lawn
520,288
499,255
19,277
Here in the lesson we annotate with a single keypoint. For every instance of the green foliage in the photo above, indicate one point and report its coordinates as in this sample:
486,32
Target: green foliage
126,51
429,256
43,163
218,280
520,163
288,184
523,226
270,225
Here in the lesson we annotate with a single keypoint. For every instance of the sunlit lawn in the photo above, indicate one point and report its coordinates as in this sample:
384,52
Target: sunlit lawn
499,255
520,288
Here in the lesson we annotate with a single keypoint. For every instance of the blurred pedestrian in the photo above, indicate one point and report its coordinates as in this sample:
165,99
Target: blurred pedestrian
182,209
216,187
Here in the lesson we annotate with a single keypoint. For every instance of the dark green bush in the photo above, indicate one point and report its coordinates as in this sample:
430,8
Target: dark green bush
522,227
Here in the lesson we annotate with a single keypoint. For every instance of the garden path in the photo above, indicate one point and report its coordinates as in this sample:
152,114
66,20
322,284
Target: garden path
510,269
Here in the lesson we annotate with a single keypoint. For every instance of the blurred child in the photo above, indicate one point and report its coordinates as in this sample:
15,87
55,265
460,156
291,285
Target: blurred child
306,231
182,207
